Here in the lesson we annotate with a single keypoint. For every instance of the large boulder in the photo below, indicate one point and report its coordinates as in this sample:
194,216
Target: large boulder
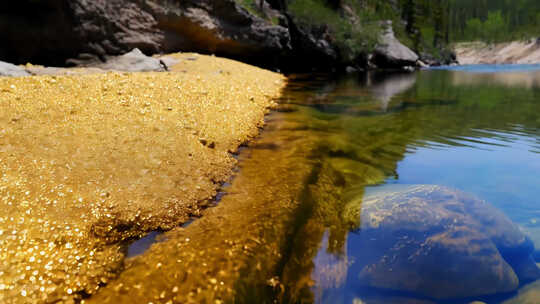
134,61
437,242
64,29
8,69
390,53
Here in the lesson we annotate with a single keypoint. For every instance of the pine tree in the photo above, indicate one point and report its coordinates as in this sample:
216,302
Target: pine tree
410,15
438,23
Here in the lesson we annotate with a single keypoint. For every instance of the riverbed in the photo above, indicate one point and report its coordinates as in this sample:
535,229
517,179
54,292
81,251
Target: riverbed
286,228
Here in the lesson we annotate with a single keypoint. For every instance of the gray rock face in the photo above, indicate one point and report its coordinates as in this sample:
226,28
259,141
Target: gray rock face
390,53
110,27
64,29
54,30
8,69
311,46
220,27
438,242
134,61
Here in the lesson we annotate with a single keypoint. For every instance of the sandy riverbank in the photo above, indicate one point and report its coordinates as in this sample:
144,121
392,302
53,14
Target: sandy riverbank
516,52
90,161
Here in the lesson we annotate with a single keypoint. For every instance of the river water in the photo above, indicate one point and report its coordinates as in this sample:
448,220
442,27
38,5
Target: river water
472,128
379,188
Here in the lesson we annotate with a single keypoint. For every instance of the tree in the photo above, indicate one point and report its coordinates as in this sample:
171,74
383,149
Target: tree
438,22
474,29
495,26
409,15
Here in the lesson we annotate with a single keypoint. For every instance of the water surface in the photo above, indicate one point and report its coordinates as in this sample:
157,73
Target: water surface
303,220
471,128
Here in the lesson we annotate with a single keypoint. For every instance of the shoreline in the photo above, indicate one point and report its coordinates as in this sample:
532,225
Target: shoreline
101,159
514,52
213,259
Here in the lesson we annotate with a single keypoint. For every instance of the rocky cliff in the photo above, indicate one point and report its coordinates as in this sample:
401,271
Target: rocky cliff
55,30
74,32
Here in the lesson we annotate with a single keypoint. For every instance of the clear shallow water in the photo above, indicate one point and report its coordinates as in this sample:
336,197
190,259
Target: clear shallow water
475,129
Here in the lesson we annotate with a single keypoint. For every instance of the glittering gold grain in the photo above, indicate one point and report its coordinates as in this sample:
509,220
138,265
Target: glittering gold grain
259,240
90,161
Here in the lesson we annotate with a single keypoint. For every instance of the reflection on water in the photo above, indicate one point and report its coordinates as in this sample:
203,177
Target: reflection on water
323,209
509,79
477,132
390,86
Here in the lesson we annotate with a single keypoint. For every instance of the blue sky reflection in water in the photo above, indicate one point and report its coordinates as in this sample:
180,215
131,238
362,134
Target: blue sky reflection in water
475,130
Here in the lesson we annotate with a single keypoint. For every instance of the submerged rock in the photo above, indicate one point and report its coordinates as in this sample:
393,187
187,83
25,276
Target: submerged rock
437,242
390,53
8,69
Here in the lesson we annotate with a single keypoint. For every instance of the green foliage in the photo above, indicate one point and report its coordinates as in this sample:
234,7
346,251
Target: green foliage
474,29
252,7
423,25
494,20
430,24
352,39
491,30
494,27
314,12
439,23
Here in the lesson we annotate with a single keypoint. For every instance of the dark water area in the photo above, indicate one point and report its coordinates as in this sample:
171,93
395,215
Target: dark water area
141,245
427,187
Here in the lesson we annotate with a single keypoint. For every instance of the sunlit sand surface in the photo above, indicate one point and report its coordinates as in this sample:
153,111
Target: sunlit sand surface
89,162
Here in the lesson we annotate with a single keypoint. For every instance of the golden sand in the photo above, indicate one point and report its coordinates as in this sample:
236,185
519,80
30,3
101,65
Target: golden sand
90,161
